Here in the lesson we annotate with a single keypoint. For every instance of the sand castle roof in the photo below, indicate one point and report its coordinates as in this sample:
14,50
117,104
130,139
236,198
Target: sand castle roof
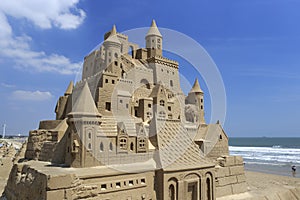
113,36
176,148
153,31
196,87
70,88
85,104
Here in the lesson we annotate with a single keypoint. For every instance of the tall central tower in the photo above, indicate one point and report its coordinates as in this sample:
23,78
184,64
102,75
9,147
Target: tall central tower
154,41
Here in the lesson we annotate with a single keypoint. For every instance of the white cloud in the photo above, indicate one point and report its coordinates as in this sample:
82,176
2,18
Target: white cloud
7,85
31,96
45,14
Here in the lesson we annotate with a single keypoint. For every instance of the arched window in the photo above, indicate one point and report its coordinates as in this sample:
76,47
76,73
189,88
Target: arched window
220,137
162,102
208,189
101,146
90,135
90,146
131,146
110,146
171,192
171,83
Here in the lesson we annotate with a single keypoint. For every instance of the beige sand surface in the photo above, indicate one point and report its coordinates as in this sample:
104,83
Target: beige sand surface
260,186
7,165
268,187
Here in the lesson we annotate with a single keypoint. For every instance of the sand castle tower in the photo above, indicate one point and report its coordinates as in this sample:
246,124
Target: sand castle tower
112,47
154,41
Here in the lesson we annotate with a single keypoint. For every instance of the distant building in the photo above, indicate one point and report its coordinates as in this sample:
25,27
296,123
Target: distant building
129,110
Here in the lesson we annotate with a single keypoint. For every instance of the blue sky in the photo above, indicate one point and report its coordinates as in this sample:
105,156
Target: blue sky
255,44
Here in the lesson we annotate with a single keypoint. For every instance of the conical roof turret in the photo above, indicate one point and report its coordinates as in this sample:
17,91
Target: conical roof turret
69,89
153,31
113,38
196,87
85,104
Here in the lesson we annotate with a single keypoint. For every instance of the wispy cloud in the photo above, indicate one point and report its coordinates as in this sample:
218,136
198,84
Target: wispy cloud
23,95
7,85
54,13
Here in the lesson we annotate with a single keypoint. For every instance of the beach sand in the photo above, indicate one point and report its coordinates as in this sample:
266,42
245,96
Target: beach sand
260,185
268,187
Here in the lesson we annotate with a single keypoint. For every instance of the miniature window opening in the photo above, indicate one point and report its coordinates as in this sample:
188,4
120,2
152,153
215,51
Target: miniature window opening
116,56
118,184
130,183
171,83
136,112
169,108
116,63
90,135
201,107
158,40
201,100
107,106
101,146
149,105
103,186
162,102
106,80
143,181
121,101
126,105
220,137
208,192
109,53
90,146
110,146
162,114
142,143
123,143
131,146
170,116
113,81
162,70
171,192
148,114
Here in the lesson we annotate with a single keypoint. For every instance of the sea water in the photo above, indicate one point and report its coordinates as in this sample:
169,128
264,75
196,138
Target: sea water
268,155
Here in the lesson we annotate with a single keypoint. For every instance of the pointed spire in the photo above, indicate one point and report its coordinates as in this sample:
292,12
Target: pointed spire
85,104
196,87
113,30
153,24
113,36
69,89
153,31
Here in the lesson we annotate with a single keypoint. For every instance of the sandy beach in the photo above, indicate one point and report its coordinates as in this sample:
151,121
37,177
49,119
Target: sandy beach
267,187
260,185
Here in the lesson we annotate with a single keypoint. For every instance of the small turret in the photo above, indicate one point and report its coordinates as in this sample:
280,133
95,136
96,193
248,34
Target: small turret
112,46
154,41
195,97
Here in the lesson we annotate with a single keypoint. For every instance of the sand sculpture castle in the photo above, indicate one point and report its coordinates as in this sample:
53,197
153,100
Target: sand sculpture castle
127,131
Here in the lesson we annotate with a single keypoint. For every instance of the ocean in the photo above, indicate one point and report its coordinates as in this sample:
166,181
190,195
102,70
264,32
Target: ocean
268,155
